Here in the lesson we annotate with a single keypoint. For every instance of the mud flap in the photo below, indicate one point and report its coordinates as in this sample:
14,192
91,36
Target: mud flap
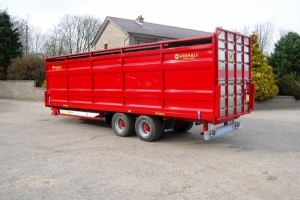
168,125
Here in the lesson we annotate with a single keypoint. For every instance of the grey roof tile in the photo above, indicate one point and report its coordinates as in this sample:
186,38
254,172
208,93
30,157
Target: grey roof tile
159,30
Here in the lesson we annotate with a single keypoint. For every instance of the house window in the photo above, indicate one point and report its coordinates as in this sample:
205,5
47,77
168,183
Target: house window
105,46
141,42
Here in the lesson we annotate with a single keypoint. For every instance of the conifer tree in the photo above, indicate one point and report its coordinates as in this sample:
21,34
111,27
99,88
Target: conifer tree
10,45
262,73
286,58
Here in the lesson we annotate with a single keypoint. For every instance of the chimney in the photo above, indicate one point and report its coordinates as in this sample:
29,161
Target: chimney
140,19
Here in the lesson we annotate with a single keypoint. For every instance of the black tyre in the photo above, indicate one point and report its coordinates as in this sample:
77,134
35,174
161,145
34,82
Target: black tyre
148,128
182,126
123,124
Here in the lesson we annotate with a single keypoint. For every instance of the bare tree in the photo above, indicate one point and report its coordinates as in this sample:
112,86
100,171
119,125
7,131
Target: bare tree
265,32
36,40
245,30
283,32
73,34
31,37
53,44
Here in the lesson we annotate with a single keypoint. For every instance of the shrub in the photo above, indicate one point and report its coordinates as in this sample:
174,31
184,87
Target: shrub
44,84
296,90
288,86
27,68
262,73
2,73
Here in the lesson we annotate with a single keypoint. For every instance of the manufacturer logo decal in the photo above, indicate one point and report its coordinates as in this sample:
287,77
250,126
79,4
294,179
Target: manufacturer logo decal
185,56
56,67
160,113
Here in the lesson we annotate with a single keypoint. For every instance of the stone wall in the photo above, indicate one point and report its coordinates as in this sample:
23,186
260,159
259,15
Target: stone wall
279,102
21,90
27,90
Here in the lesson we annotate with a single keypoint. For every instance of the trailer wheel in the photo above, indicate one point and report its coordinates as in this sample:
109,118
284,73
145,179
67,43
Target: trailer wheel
148,128
123,124
182,126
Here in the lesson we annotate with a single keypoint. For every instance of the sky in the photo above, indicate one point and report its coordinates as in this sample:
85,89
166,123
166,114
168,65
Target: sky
193,14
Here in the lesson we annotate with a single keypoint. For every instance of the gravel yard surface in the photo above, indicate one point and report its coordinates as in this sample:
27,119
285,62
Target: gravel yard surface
57,157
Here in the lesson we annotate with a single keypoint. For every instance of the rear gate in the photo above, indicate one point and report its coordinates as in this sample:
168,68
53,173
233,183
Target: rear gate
234,73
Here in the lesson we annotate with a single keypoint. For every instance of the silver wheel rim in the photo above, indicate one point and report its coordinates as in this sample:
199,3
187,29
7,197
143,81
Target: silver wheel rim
120,124
144,128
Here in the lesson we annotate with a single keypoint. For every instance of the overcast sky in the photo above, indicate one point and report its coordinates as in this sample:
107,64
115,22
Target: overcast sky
193,14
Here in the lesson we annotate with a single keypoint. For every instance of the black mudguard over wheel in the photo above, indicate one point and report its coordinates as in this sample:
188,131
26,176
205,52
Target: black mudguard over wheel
182,126
123,124
148,128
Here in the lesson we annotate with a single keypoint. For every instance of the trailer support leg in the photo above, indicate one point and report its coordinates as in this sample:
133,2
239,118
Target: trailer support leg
54,111
205,127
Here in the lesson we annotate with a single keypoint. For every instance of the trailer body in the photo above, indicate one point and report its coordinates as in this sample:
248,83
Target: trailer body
204,80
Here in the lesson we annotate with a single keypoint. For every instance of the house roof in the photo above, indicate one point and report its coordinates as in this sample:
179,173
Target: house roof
146,28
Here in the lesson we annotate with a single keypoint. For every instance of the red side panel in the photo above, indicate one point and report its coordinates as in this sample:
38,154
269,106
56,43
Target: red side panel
142,80
57,83
189,81
107,80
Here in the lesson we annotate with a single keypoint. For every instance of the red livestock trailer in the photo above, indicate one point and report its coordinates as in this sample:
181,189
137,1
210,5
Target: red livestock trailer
152,88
